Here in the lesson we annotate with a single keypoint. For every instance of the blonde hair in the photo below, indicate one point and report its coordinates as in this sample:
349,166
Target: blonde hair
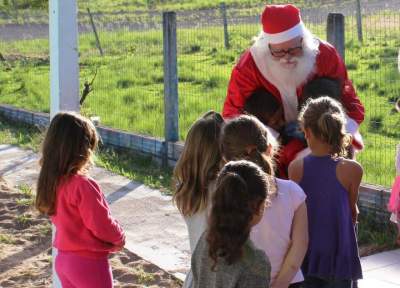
67,149
198,164
326,119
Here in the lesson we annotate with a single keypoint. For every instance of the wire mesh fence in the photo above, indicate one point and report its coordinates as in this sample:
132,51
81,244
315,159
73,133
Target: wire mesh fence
128,79
125,65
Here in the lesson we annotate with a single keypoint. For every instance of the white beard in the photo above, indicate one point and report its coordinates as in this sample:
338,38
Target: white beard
286,77
294,73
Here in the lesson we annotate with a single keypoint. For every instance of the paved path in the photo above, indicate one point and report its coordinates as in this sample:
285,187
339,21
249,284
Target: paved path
381,270
154,228
155,231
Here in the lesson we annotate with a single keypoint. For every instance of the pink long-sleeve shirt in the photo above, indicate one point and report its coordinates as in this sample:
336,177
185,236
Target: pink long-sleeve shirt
83,220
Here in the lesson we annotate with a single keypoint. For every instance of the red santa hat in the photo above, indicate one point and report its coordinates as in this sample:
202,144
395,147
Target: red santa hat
281,23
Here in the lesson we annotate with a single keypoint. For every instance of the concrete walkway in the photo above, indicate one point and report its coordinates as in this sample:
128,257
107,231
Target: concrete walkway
381,270
155,230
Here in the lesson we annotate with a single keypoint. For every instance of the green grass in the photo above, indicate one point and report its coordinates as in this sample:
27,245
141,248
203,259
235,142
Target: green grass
7,239
137,167
45,229
374,232
15,133
26,190
130,79
142,11
23,219
126,163
105,6
28,196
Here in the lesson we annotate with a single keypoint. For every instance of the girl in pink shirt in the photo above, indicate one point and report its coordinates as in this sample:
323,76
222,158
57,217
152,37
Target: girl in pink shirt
394,202
282,232
85,230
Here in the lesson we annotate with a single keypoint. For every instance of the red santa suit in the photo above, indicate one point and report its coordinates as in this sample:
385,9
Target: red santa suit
282,23
247,76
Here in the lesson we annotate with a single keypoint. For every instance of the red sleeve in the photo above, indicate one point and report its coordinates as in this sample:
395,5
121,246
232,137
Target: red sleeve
95,212
330,64
243,81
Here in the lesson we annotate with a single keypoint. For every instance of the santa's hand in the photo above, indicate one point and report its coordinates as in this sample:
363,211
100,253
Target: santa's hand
292,130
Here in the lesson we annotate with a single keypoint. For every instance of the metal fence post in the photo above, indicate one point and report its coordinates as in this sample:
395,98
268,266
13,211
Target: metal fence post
170,81
335,32
359,22
15,6
95,32
225,22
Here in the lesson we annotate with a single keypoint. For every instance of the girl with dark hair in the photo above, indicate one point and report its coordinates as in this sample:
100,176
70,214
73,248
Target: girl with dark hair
282,232
85,230
331,184
224,256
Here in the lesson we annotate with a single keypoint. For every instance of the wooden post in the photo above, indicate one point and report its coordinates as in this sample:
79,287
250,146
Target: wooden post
359,22
15,10
171,116
95,32
64,68
335,32
225,23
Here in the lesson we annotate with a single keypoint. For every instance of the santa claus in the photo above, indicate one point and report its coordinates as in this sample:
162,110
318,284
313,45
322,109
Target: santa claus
283,58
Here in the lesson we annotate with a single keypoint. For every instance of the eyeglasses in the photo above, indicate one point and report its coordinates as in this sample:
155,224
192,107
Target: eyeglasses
294,51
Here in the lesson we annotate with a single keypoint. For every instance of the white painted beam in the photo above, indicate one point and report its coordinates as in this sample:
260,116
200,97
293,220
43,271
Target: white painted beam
64,67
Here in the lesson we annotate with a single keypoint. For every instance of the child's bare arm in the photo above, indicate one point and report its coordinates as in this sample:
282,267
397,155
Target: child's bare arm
349,174
297,250
295,170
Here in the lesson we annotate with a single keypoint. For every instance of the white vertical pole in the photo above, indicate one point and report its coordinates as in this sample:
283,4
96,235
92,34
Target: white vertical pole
64,68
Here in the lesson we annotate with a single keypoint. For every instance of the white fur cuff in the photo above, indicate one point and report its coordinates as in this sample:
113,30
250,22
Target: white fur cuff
287,35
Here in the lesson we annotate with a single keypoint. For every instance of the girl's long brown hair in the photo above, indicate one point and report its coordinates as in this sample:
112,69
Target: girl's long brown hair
198,164
245,137
326,119
241,188
66,149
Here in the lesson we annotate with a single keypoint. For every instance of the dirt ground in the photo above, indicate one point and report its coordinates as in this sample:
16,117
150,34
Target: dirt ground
25,249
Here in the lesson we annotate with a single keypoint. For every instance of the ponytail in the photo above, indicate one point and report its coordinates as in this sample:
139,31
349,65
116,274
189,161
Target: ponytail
261,160
241,187
233,225
326,119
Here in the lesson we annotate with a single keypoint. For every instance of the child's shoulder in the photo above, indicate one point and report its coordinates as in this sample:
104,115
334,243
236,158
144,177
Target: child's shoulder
295,170
294,193
286,184
349,167
81,178
349,173
82,181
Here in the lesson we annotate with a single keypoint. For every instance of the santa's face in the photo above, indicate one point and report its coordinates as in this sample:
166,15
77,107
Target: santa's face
291,62
287,53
